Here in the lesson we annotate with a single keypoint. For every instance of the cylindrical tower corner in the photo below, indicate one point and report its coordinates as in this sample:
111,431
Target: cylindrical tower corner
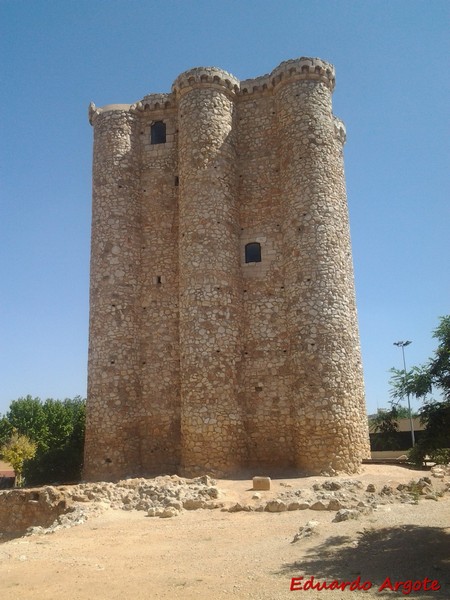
213,438
327,386
111,447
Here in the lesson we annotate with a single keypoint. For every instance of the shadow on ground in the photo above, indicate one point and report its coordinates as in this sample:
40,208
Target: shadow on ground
403,553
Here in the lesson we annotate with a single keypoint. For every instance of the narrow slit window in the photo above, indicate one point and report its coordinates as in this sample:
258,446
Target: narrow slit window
253,252
158,133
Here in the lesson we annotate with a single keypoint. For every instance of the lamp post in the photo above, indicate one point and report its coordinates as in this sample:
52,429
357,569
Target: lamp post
402,346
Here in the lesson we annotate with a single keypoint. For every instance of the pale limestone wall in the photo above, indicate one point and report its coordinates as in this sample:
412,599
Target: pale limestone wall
21,509
198,361
265,378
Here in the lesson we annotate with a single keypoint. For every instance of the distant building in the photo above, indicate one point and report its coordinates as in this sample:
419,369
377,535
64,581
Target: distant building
7,475
400,441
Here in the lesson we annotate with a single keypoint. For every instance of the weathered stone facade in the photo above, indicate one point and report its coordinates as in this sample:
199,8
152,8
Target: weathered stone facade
203,358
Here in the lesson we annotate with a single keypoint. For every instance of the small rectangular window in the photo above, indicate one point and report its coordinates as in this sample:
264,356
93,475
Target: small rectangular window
158,133
253,252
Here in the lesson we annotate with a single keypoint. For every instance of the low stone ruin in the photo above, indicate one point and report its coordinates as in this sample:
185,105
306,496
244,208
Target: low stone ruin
47,509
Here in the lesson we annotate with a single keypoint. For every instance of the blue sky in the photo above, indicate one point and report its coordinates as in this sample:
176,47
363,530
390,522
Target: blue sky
392,65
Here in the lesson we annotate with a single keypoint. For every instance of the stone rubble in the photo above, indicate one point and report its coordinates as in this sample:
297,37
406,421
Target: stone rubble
309,529
168,496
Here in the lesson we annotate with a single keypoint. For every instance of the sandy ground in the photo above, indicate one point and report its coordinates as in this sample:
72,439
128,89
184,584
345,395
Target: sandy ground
213,554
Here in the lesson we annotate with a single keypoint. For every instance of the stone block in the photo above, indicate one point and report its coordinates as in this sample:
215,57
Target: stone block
261,483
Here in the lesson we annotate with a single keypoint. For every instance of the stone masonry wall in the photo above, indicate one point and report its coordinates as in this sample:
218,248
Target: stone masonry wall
159,427
265,378
21,509
210,280
200,361
112,432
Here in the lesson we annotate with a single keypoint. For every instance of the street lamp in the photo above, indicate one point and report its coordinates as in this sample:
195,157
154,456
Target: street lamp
402,346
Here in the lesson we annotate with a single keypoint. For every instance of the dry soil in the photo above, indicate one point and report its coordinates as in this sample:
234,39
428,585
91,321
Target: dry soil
205,554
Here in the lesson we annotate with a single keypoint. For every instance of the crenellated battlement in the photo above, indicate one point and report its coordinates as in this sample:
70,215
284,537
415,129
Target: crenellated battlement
154,102
312,69
304,68
208,76
95,111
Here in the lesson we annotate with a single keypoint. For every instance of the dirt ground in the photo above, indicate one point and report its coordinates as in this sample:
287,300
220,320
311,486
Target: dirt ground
212,554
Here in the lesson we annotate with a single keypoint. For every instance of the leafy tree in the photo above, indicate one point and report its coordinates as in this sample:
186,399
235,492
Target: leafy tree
16,451
27,416
60,452
386,424
6,430
402,412
421,381
432,376
56,427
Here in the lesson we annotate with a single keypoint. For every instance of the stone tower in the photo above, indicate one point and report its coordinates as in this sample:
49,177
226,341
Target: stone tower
223,330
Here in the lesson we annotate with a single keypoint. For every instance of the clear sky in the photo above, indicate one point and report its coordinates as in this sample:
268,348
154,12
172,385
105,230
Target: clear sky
392,65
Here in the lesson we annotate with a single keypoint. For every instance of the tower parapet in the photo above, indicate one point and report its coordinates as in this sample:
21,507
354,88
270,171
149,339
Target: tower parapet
311,69
154,102
206,75
305,69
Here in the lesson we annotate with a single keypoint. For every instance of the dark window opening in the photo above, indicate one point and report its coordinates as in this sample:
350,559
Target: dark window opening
253,252
158,133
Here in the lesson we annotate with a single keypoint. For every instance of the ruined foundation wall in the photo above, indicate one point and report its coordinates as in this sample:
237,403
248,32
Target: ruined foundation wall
24,508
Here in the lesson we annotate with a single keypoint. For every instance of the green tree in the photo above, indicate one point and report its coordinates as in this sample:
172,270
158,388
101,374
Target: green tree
57,429
16,451
421,382
403,412
27,416
6,430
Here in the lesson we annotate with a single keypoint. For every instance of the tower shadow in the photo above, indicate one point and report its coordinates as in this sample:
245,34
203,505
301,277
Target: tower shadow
403,553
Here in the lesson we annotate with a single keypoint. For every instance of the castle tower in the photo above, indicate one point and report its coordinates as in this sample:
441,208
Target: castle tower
327,385
113,375
210,279
223,330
